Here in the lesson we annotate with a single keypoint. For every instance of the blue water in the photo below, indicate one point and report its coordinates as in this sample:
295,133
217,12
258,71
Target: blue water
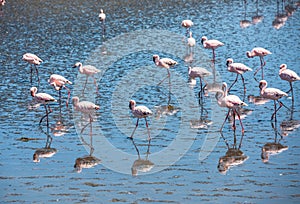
184,159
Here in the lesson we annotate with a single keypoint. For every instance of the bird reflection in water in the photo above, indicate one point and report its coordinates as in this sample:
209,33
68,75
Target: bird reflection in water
257,18
60,128
245,23
234,156
201,73
45,152
272,148
141,165
87,161
257,100
288,126
282,14
203,121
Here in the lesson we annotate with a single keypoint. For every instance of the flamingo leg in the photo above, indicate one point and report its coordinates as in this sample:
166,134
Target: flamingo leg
237,76
47,113
243,130
292,92
214,55
37,73
84,85
149,137
243,80
275,111
200,94
233,125
31,74
136,125
225,120
95,82
69,94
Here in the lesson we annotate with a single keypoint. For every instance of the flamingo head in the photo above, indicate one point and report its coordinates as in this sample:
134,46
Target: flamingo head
203,39
283,66
229,61
131,104
248,53
262,84
33,91
77,64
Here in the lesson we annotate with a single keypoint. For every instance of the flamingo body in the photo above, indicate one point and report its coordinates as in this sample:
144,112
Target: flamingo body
187,23
211,44
164,62
258,52
287,74
87,69
58,81
102,15
191,41
270,93
43,98
139,111
238,68
32,59
84,106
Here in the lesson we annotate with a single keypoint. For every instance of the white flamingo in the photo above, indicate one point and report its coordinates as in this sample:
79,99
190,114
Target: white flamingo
86,107
261,53
191,42
211,44
34,60
273,94
198,72
232,102
89,71
59,82
139,112
187,24
290,76
102,17
239,69
44,99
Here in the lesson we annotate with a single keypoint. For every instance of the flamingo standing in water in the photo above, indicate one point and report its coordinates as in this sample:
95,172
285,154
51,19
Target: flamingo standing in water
139,112
211,44
166,63
195,72
273,94
102,18
191,41
59,82
86,107
290,76
43,98
32,59
232,102
261,53
187,24
89,71
239,69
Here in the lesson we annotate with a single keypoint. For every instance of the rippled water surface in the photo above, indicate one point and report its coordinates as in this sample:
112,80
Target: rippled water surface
182,161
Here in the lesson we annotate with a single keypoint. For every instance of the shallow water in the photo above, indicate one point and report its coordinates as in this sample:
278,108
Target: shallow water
182,166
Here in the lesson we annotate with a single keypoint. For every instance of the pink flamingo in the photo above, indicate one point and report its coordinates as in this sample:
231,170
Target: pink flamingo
232,102
102,18
187,24
273,94
86,107
191,41
198,72
139,112
32,59
43,98
59,82
290,76
211,44
261,53
166,63
239,69
89,71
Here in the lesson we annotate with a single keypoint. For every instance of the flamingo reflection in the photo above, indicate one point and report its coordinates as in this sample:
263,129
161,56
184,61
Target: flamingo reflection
203,121
272,148
288,126
45,152
201,73
141,165
245,23
33,60
234,156
257,18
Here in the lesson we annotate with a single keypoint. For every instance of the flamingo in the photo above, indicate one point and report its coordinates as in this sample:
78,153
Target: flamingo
88,70
288,75
211,44
102,18
86,107
273,94
166,63
232,102
261,53
59,82
200,72
32,59
43,98
187,24
139,112
239,69
191,41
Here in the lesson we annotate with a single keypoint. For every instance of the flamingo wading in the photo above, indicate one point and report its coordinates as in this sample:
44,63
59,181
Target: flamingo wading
211,44
34,60
59,82
261,53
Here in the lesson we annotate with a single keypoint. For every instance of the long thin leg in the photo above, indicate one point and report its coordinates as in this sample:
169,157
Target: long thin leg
243,130
225,120
234,82
85,84
59,92
149,137
69,94
37,73
136,125
31,74
262,63
233,125
243,80
214,55
47,113
275,111
292,92
95,82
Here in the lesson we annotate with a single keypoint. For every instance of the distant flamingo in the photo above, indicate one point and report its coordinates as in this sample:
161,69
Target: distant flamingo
211,44
166,63
88,70
102,18
288,75
198,72
139,112
259,52
59,82
232,102
191,41
239,69
187,24
273,94
32,59
86,107
43,98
